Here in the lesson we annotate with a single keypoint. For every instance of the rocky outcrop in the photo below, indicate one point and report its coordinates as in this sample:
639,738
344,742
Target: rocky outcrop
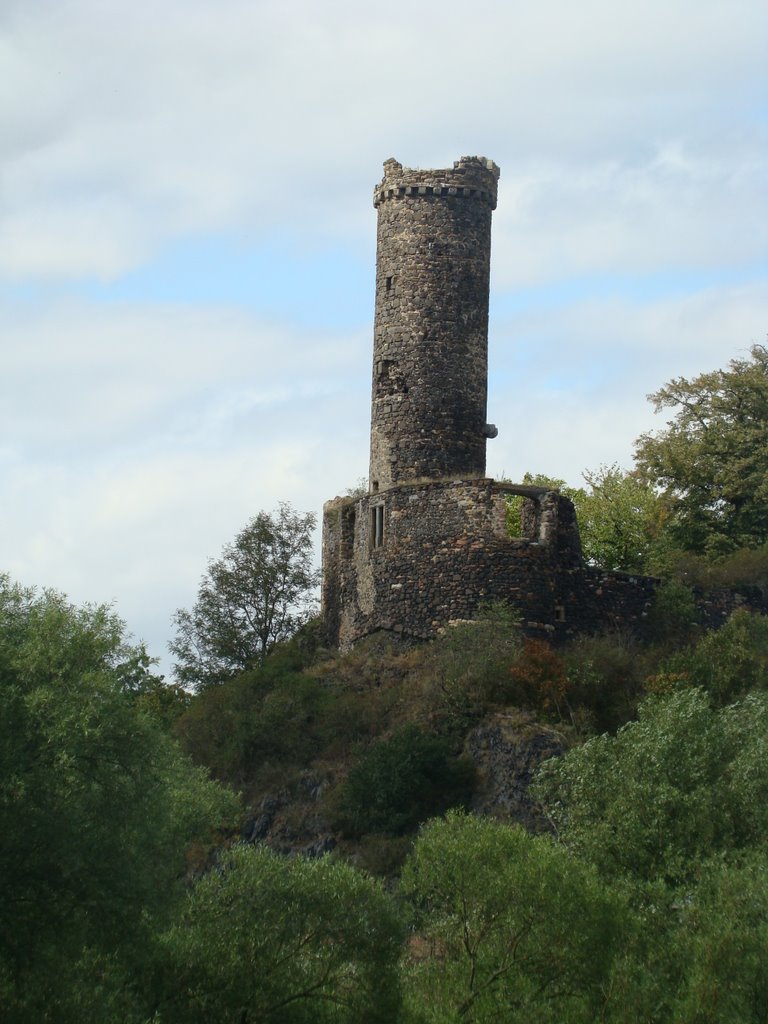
506,749
291,822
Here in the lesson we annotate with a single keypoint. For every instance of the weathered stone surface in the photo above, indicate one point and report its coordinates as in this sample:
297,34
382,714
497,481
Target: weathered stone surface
291,822
506,750
430,347
445,550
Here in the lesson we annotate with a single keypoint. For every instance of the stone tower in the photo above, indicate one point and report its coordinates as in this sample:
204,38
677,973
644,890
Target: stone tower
430,542
430,349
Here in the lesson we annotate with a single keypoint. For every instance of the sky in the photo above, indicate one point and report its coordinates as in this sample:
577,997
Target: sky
187,250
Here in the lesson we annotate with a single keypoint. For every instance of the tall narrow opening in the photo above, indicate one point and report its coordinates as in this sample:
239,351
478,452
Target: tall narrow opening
377,526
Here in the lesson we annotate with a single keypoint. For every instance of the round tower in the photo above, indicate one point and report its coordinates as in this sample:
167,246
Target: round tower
430,349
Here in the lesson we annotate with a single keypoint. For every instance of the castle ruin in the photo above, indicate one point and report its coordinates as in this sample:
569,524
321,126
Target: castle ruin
430,542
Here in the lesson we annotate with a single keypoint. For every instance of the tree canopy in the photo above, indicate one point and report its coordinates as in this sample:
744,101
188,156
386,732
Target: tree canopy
285,941
672,812
97,809
711,461
524,931
256,595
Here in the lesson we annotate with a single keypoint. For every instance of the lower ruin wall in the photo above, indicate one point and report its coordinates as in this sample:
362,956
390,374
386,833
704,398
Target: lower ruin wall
413,558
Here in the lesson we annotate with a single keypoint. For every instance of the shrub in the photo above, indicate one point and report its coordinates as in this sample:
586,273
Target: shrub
403,780
727,661
674,615
286,941
469,664
539,678
606,675
236,728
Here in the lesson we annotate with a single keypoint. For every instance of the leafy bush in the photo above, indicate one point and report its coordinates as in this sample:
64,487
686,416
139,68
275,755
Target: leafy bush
264,938
467,669
510,927
539,678
403,780
674,615
606,674
254,720
727,661
679,786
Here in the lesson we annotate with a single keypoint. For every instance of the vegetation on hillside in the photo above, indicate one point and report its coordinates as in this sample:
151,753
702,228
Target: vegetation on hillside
129,894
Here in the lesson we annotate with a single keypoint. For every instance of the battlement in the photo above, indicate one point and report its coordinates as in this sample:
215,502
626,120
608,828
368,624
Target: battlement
471,177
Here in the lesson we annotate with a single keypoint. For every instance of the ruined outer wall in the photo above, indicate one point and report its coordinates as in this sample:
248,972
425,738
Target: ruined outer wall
430,358
445,550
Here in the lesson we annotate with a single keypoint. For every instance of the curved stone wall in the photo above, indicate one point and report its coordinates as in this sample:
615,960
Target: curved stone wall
430,358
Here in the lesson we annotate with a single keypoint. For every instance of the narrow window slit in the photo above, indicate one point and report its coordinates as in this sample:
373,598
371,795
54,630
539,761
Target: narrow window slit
377,526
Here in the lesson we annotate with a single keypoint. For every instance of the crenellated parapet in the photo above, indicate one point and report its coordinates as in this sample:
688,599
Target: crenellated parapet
471,177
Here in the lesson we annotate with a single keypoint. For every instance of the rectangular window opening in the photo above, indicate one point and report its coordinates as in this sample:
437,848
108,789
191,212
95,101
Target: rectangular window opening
377,526
389,284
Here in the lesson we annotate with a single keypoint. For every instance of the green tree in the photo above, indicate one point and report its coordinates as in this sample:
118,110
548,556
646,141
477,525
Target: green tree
674,811
266,939
510,926
722,943
620,520
711,461
726,662
97,810
256,595
620,517
684,783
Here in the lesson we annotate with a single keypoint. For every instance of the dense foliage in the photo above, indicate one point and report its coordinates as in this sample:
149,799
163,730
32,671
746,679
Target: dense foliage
403,780
646,903
128,896
620,516
255,596
711,462
295,942
517,929
98,809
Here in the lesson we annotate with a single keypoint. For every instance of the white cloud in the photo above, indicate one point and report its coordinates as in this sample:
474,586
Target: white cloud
568,387
141,123
677,209
92,376
138,438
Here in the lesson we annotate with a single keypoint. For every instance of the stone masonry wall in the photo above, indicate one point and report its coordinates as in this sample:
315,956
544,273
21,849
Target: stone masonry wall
430,359
444,550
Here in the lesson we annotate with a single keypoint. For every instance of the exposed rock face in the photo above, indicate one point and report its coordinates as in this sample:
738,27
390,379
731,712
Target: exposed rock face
291,823
506,749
